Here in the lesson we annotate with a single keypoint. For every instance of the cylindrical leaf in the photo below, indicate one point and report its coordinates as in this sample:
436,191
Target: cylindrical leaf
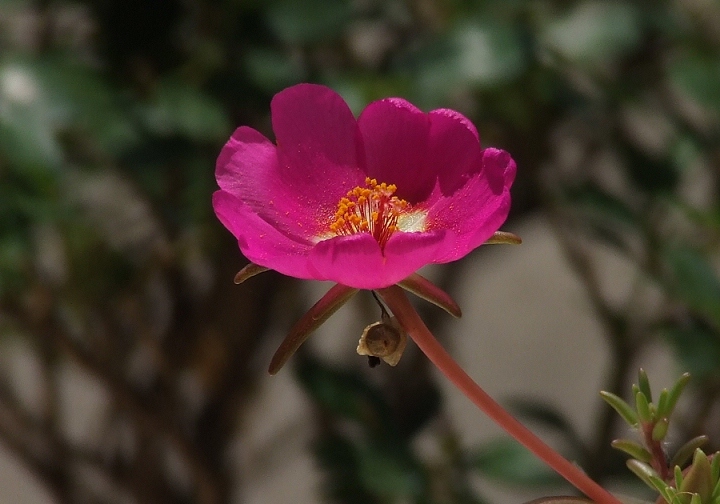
660,429
633,449
623,408
699,478
662,404
642,471
643,407
675,392
644,384
683,454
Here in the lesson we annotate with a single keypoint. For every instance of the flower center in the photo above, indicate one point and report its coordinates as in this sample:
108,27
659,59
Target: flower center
371,209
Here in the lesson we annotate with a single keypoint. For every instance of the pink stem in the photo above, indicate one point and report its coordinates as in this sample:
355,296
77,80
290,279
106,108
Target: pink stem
413,324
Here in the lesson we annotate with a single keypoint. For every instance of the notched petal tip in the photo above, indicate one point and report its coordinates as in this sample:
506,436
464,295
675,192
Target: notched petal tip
333,299
249,271
425,289
504,237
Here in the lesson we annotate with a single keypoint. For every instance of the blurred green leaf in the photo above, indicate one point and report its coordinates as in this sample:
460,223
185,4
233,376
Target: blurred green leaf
698,75
179,108
489,53
420,412
27,123
541,413
14,262
600,205
80,98
307,21
650,173
345,394
339,459
483,54
387,473
697,348
695,282
547,416
595,31
271,69
50,95
506,461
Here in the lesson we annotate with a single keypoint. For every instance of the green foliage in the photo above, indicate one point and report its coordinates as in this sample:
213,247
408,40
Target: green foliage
506,461
346,395
698,75
699,483
379,463
695,282
595,32
308,21
179,108
143,94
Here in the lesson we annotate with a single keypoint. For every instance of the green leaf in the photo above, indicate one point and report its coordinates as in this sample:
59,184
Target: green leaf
644,384
271,70
643,407
15,257
683,454
346,394
603,206
340,459
623,409
178,108
654,174
27,122
309,21
507,461
488,53
715,467
81,99
647,475
698,479
698,75
546,416
389,474
595,31
695,282
697,348
662,404
660,429
675,392
633,449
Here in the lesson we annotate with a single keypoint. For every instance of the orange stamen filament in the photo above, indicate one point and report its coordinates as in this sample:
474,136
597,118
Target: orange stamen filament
372,209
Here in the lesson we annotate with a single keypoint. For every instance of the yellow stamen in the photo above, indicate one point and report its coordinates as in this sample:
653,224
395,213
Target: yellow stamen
372,209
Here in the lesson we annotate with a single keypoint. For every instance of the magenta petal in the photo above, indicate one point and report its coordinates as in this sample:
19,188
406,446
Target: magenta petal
259,241
395,136
245,150
356,261
454,149
476,210
318,143
248,169
279,200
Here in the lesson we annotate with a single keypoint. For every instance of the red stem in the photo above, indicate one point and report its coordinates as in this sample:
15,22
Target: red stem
413,324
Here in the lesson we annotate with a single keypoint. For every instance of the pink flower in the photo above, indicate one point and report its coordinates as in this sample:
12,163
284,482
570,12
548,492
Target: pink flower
366,202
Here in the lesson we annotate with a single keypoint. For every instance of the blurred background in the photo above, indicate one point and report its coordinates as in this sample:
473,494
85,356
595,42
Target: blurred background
133,370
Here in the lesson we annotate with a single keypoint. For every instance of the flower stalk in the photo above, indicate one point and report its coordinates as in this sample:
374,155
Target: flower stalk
418,331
